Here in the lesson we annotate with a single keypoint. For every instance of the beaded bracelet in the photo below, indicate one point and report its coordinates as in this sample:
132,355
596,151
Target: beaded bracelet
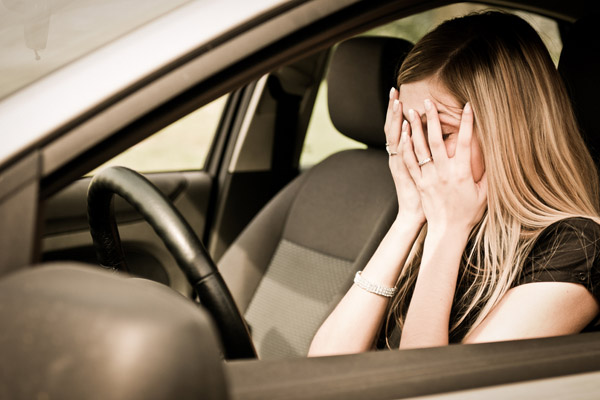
372,287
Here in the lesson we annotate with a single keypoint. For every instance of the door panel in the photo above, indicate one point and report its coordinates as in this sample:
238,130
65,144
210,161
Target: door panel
67,210
399,374
66,233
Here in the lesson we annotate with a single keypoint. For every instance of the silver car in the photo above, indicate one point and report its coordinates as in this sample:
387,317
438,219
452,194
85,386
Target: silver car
188,187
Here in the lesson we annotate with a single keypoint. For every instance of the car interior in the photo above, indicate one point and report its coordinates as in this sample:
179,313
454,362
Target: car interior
297,258
286,241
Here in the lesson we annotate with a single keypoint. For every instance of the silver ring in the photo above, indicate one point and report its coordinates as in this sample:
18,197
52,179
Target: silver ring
425,161
387,148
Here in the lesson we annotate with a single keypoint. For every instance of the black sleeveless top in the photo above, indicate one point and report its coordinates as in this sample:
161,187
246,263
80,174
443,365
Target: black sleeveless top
566,251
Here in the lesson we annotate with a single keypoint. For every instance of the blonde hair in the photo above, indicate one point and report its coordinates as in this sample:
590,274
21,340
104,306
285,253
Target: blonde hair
538,168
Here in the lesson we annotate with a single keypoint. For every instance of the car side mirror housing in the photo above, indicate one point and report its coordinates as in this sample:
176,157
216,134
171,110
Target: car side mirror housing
72,331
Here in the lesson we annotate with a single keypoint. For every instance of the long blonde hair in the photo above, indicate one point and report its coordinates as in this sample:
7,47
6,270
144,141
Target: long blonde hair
538,168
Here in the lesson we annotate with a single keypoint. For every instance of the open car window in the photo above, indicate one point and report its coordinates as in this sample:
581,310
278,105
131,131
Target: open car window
180,146
323,139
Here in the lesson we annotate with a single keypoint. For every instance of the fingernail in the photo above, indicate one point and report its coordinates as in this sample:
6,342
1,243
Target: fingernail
392,90
396,105
404,126
411,114
467,107
427,104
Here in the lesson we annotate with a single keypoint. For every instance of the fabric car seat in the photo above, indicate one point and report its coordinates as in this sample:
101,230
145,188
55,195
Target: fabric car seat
579,66
298,256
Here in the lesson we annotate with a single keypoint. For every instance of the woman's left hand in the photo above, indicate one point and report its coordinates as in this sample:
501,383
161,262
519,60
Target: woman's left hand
450,197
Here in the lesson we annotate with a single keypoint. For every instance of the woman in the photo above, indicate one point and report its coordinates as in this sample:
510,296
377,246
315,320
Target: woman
498,216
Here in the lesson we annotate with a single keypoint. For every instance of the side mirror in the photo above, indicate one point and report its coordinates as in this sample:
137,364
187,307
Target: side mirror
70,331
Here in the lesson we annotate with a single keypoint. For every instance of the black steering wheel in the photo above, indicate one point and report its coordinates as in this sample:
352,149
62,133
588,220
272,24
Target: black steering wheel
174,231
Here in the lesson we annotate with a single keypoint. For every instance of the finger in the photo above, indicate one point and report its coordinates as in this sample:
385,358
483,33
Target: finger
396,162
434,134
393,135
421,148
465,135
408,155
388,115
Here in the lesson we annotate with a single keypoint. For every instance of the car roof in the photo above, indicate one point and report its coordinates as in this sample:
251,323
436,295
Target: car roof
43,100
50,107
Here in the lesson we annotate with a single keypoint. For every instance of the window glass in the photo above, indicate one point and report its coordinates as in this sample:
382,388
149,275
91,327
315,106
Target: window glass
322,139
40,36
183,145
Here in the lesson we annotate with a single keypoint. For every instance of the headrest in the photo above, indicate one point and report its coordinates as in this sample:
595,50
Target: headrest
579,67
361,73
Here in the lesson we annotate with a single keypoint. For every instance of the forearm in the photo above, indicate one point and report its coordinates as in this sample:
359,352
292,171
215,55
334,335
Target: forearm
428,315
354,323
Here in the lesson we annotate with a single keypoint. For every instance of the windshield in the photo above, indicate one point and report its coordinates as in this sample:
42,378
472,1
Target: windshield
39,36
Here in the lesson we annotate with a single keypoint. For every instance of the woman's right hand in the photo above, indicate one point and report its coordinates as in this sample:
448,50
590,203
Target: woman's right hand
409,201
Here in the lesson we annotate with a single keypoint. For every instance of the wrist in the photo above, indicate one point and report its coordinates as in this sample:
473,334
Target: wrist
448,231
450,237
409,222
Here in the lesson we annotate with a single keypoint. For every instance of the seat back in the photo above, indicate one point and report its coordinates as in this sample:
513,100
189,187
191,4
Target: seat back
297,258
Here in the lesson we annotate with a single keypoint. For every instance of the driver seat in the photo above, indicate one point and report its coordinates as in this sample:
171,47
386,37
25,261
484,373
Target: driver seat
297,258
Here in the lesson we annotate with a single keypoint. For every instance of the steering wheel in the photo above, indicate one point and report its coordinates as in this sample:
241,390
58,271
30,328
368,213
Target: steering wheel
175,232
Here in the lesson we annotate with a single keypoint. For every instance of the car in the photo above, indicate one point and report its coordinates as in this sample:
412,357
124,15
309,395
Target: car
252,214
